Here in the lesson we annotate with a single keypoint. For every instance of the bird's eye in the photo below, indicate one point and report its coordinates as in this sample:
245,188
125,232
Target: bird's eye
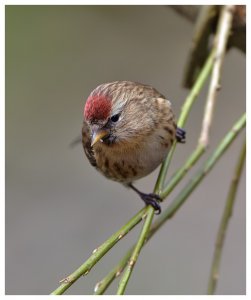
115,118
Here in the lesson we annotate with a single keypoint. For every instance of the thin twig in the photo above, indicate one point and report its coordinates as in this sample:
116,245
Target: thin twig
162,174
181,197
219,151
93,259
200,42
102,285
85,268
194,157
220,44
224,26
136,251
98,253
185,110
214,274
208,113
160,181
180,173
184,114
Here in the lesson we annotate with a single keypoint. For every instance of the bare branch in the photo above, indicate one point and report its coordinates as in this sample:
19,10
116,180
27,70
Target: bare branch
220,42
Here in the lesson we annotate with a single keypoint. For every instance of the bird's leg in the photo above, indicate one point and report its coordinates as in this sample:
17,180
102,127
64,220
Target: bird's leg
149,199
180,135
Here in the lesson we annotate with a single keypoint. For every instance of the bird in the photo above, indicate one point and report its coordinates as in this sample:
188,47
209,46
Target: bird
128,130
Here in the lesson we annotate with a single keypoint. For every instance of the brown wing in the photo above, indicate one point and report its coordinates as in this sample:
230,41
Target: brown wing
86,141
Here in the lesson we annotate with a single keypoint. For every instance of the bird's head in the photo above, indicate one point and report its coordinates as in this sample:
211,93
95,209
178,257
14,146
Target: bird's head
113,113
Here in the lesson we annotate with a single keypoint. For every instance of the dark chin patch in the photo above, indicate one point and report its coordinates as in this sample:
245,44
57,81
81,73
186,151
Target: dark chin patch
109,140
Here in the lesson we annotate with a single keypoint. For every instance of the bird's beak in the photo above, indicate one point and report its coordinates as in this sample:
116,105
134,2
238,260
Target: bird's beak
98,135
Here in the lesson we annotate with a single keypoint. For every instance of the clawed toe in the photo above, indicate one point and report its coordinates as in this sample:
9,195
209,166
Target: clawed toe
152,199
149,199
180,135
154,196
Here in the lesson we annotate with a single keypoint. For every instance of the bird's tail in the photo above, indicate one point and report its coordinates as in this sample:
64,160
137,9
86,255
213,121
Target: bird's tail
76,141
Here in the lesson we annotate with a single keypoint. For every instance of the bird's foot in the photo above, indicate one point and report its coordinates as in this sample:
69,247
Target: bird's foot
180,135
153,200
149,199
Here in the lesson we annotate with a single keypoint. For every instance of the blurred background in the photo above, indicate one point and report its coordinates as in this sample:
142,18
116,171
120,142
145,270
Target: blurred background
58,208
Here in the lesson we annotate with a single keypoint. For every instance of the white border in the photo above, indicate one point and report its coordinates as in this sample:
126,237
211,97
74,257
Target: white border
2,122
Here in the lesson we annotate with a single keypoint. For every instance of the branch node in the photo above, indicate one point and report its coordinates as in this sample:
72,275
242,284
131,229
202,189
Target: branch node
216,276
120,236
97,286
218,87
65,280
95,250
131,263
204,142
144,216
118,272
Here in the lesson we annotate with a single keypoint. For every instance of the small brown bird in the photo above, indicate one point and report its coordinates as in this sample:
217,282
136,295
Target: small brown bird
128,129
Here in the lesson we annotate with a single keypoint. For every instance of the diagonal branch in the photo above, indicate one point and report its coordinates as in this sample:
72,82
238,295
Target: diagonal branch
179,200
104,248
98,253
185,110
158,187
102,285
148,211
221,39
220,44
136,252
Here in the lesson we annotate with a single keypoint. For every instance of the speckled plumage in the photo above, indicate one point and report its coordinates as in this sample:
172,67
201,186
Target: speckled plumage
139,141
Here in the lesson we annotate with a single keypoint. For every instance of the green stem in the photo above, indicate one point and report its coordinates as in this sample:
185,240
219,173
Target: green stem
98,253
186,108
162,174
93,259
214,274
186,191
136,251
163,171
203,75
176,178
197,178
215,60
102,285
